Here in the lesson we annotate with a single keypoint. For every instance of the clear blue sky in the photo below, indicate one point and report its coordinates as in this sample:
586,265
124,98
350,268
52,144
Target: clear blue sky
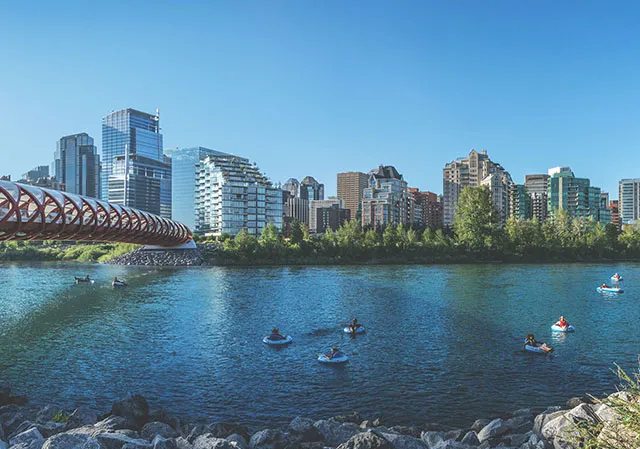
317,87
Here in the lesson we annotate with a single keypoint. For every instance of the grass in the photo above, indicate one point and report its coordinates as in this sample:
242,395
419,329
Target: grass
62,251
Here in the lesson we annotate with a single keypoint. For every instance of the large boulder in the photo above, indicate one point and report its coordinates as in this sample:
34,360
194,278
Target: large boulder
334,433
471,439
223,430
238,441
11,421
71,441
406,430
183,443
494,429
353,417
303,427
81,417
432,438
366,440
270,439
559,431
119,441
46,413
605,412
31,438
114,422
134,408
164,443
479,424
209,441
543,419
151,430
404,441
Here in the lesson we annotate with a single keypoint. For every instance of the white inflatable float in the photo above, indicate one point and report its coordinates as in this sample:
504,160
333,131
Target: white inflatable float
609,290
360,330
118,284
557,328
322,358
285,341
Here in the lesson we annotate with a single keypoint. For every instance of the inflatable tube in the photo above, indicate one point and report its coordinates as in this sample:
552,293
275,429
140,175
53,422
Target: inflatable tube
84,281
119,284
288,339
360,330
609,290
535,349
557,328
324,359
615,279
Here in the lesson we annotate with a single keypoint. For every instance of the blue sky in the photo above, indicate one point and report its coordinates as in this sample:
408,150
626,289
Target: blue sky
319,87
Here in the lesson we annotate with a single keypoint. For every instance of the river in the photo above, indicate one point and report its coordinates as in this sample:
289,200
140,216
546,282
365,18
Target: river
444,343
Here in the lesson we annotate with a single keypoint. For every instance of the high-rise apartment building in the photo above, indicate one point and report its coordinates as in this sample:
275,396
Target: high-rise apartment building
629,201
520,202
384,201
296,208
135,171
575,195
350,188
615,215
472,171
77,165
184,175
333,218
537,186
233,195
430,208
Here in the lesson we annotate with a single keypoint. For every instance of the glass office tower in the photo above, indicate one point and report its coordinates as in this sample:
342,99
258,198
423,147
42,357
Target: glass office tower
184,175
77,165
135,172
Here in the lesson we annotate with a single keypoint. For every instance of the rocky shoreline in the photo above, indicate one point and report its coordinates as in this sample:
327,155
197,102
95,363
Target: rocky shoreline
133,424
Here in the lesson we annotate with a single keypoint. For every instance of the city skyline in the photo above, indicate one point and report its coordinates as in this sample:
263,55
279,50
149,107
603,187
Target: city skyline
411,87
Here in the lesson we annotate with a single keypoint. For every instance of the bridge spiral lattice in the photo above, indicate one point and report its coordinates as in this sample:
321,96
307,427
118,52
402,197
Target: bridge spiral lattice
34,213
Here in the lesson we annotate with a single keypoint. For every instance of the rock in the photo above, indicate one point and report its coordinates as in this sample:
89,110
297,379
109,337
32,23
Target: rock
114,423
270,439
238,440
471,439
150,430
70,441
134,408
614,434
119,441
574,402
196,431
183,443
479,424
516,440
450,444
519,424
558,430
605,413
32,438
208,441
81,417
23,427
494,429
406,430
333,433
46,413
353,417
583,412
544,418
524,412
223,430
4,445
366,440
432,438
455,435
11,421
50,428
303,427
404,441
164,443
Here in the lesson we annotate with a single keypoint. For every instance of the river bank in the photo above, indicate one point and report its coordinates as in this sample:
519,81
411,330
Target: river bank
132,423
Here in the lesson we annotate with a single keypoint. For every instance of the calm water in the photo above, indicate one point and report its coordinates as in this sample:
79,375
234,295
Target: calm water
444,342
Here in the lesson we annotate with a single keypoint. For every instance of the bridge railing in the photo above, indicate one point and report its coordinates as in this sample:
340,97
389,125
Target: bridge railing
35,213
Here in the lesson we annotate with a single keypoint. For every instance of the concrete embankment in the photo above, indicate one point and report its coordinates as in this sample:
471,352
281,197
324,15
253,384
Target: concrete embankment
133,424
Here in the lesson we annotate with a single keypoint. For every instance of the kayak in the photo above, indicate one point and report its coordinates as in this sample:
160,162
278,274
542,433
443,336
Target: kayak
360,330
615,279
288,339
84,280
609,290
118,284
324,359
536,349
557,328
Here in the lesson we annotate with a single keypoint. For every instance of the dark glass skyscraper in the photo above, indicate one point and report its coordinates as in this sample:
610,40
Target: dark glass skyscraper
135,172
77,165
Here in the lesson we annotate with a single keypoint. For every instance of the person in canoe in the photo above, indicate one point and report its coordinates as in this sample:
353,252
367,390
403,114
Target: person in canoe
354,325
562,323
276,335
531,341
334,354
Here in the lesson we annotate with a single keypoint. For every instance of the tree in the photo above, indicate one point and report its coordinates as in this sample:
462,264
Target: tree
296,234
477,221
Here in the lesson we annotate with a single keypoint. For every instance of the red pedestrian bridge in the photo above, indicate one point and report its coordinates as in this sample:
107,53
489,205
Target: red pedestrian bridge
34,213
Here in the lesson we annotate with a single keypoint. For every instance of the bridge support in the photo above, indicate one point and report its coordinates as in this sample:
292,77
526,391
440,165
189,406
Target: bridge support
187,245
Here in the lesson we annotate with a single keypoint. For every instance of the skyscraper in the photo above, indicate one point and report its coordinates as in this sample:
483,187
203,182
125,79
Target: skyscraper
184,176
233,195
520,204
384,201
537,186
472,171
350,188
39,172
575,195
629,201
77,165
315,190
135,172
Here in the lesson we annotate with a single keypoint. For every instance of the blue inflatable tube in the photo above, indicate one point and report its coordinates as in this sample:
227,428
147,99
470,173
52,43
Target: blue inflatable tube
324,359
535,349
360,330
609,290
